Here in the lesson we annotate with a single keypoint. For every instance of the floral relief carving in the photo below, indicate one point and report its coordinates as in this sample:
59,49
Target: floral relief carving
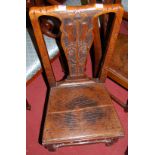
77,38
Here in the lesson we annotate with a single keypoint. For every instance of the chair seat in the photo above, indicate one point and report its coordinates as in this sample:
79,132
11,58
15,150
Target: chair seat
33,64
80,113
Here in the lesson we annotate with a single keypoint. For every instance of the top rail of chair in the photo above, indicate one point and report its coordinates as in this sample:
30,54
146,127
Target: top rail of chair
57,9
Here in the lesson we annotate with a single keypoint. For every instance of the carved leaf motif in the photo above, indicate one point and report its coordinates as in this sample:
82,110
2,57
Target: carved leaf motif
77,38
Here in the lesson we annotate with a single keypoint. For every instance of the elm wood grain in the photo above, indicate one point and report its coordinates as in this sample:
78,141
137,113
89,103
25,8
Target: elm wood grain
79,109
84,114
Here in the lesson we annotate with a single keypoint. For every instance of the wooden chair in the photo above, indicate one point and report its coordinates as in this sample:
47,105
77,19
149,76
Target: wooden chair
118,66
79,109
117,69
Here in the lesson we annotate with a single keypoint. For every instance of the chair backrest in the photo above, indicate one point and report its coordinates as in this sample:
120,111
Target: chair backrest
77,35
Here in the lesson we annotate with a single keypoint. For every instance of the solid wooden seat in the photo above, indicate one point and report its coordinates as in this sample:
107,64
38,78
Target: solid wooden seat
79,109
84,112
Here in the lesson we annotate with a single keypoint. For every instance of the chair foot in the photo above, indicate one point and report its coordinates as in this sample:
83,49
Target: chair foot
123,105
126,107
51,148
28,106
111,141
126,152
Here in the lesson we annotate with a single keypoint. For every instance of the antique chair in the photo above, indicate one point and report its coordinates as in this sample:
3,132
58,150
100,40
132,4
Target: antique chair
118,66
118,69
79,109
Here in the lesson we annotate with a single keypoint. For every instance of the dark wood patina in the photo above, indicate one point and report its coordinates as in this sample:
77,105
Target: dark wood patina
79,110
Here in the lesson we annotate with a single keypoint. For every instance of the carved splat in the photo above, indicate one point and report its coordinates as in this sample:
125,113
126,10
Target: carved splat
77,38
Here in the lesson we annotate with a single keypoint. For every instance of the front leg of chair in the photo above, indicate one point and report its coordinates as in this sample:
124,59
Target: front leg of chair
111,141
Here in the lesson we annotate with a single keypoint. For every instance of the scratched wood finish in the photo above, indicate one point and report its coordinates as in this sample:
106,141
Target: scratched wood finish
79,109
85,113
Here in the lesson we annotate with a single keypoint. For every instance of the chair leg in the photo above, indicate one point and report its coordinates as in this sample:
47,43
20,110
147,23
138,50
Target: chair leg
126,107
126,152
28,106
122,104
111,141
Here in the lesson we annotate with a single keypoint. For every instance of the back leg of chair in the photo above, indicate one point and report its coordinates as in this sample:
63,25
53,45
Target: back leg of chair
28,106
126,106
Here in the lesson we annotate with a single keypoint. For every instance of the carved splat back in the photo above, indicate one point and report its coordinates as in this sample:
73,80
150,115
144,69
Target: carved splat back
77,34
77,38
